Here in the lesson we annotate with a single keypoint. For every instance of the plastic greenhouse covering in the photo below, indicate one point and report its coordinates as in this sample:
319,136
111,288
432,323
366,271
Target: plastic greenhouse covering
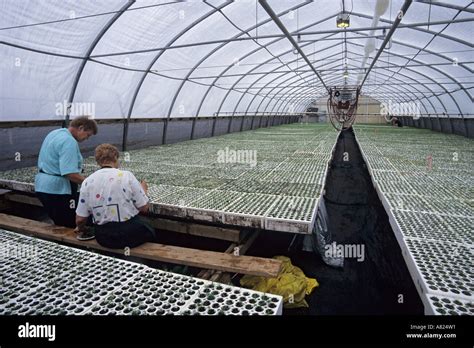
165,59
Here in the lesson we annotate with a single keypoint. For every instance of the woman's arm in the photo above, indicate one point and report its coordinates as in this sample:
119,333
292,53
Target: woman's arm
80,222
76,178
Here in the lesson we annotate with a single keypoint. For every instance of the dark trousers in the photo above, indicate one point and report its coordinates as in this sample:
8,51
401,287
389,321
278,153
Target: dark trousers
61,208
119,235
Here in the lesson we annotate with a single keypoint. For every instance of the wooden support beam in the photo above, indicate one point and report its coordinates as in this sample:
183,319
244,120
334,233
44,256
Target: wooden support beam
206,274
242,249
229,234
4,204
216,276
152,251
25,199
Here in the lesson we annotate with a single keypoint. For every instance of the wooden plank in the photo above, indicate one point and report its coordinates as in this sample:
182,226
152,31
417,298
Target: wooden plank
229,234
20,198
158,252
206,274
17,186
246,244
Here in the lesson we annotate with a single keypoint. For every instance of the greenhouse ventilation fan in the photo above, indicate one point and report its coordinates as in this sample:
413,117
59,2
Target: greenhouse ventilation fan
342,106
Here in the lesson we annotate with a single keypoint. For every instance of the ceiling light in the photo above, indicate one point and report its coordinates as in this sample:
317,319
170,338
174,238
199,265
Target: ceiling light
345,74
342,20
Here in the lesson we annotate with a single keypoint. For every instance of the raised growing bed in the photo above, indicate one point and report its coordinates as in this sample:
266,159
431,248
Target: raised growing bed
421,178
190,180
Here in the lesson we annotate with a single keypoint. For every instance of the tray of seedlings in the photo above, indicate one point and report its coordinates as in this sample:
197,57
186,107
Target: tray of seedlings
292,214
443,228
81,282
249,209
443,269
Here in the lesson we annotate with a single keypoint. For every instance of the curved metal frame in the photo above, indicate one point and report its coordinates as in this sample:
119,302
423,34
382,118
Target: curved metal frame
209,54
417,72
248,54
426,65
258,93
153,61
232,88
289,96
407,76
263,63
88,54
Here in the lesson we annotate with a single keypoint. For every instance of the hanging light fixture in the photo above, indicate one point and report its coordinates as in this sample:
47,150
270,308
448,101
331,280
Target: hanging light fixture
343,20
345,74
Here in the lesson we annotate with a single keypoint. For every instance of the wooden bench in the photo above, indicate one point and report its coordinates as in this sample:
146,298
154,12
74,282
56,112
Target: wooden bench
159,252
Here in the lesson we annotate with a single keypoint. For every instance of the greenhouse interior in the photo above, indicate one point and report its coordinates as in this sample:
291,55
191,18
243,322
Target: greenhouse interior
269,157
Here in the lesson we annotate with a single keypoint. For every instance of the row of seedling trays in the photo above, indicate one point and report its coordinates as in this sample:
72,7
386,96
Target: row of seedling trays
101,285
437,245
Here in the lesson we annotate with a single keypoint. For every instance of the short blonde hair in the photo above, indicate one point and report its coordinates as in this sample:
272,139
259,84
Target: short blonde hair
106,153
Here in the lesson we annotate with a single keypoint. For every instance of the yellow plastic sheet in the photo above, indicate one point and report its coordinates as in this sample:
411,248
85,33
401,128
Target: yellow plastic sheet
291,283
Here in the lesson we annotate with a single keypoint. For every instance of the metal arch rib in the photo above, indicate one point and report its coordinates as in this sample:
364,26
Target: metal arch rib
258,92
282,27
448,37
408,91
319,66
443,4
264,47
210,54
425,64
419,73
300,100
153,61
258,79
396,89
256,67
409,77
88,54
280,77
436,69
395,24
291,98
266,96
243,58
265,62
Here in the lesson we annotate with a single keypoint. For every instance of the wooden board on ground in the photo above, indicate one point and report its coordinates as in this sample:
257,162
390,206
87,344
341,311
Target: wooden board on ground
158,252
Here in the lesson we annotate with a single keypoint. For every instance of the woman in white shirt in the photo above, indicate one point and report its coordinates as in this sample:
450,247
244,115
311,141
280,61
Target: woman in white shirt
114,198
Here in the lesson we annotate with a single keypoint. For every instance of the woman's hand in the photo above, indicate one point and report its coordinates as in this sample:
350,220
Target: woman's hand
144,186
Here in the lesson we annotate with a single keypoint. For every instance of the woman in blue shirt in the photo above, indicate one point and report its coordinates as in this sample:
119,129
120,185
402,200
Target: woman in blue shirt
59,168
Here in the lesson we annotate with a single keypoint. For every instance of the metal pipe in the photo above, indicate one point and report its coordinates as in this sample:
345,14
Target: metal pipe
282,27
396,23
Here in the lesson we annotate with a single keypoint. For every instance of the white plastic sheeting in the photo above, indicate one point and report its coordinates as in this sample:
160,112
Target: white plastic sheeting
159,58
